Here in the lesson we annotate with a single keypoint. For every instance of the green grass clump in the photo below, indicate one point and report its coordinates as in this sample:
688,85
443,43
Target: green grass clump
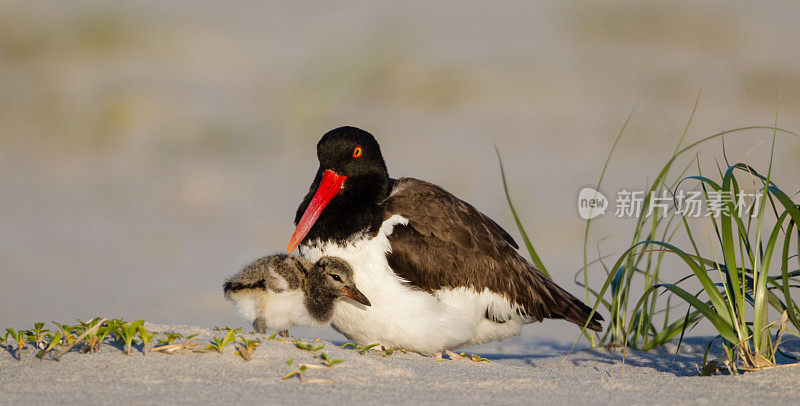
748,282
744,277
738,277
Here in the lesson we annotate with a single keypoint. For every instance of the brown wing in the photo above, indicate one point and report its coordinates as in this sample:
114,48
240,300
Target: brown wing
448,243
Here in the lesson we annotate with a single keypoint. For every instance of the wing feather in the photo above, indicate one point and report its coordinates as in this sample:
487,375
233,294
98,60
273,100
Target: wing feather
448,244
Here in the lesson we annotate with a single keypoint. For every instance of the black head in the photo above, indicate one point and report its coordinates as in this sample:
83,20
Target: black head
350,182
351,152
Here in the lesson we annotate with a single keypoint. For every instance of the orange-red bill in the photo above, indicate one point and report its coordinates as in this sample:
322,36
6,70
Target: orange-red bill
355,294
330,185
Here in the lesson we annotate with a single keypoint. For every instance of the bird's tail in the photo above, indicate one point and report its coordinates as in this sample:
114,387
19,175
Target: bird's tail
570,308
578,313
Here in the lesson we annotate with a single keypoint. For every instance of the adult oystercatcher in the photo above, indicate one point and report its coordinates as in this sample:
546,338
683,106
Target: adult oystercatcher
280,291
439,273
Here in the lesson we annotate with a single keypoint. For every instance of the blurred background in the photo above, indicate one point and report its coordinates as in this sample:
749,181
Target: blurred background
149,149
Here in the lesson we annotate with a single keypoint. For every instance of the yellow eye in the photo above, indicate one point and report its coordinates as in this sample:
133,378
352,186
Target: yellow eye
357,152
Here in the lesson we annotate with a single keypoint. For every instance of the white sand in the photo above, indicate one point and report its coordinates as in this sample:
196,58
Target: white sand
518,374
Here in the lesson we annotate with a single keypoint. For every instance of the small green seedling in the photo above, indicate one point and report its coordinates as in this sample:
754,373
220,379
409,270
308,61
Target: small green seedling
272,336
170,338
86,325
52,341
328,361
76,329
127,332
364,350
228,328
219,343
389,351
289,362
112,328
37,334
90,329
191,336
709,368
474,357
146,337
167,345
20,336
361,349
246,348
307,346
300,372
101,335
30,338
67,337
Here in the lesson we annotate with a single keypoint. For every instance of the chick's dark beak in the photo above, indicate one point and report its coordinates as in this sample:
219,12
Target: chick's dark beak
353,293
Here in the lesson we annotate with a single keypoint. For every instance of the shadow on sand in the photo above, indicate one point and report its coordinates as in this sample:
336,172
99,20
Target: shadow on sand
686,362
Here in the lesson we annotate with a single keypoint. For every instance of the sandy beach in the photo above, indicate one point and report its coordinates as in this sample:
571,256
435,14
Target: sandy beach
519,372
149,150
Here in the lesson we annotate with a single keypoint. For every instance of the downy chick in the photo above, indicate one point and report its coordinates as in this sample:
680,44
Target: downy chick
280,291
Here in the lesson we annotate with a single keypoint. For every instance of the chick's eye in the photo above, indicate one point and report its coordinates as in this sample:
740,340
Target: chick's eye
357,152
335,277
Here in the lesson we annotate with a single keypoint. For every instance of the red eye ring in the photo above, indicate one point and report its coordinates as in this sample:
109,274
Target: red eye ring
357,152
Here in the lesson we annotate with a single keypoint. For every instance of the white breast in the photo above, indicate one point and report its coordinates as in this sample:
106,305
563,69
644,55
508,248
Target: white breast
400,316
